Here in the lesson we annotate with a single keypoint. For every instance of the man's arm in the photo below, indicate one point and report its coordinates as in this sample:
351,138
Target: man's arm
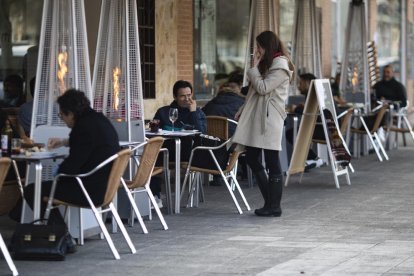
198,119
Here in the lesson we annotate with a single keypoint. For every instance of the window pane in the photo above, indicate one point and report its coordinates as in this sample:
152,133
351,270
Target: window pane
220,42
19,30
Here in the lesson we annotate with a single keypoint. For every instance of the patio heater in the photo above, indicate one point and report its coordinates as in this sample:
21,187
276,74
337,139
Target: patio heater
117,74
306,42
354,72
63,63
117,81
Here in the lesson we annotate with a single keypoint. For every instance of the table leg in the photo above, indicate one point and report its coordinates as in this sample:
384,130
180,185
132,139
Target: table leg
177,175
37,191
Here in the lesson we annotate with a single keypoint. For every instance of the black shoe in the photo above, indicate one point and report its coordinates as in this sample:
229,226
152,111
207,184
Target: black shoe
268,212
308,167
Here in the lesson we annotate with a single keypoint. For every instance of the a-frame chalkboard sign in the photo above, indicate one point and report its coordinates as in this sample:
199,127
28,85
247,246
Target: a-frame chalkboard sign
320,102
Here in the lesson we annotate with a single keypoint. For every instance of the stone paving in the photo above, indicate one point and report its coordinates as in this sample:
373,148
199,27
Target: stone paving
363,229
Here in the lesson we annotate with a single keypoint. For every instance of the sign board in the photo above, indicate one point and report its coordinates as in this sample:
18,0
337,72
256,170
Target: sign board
320,102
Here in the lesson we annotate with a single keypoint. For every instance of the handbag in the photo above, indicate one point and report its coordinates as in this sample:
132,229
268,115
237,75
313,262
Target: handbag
203,158
31,241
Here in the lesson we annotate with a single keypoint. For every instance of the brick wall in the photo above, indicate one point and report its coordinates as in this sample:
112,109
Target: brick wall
185,40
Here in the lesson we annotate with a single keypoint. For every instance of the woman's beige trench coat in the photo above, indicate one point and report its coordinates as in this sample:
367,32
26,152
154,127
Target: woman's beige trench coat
263,114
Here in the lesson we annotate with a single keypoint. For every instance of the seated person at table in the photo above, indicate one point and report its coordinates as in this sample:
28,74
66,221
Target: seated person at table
303,86
11,175
13,91
189,116
228,100
226,104
92,140
389,88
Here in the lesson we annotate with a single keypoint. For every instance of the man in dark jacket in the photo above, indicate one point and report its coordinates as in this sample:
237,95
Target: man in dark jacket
91,141
228,100
189,115
389,88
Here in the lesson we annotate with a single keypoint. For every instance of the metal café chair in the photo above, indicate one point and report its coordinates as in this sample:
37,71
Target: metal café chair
216,126
120,161
142,178
402,125
371,132
4,168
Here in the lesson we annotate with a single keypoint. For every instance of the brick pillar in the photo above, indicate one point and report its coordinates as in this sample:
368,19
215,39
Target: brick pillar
185,57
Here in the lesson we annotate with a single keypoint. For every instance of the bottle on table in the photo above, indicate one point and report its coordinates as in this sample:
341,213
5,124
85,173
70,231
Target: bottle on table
6,137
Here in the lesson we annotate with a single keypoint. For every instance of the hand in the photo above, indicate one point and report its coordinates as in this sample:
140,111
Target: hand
192,105
256,58
54,143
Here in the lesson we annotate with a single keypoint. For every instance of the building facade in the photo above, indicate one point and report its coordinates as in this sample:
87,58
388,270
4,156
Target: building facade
202,41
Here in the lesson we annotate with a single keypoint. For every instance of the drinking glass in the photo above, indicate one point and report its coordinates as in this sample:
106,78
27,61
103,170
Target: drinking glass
16,145
173,114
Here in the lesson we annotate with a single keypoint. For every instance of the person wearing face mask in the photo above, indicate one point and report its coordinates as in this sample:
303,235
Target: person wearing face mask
261,118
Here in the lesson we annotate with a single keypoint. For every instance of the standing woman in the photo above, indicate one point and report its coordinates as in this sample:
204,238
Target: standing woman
262,116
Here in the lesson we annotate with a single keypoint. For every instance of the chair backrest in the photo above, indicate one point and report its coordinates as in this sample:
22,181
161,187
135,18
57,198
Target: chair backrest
147,162
4,168
379,117
118,168
218,126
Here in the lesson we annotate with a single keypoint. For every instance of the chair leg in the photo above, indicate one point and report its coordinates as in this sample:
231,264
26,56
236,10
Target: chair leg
122,227
374,145
157,210
134,208
409,127
168,191
105,232
6,254
381,146
236,183
231,193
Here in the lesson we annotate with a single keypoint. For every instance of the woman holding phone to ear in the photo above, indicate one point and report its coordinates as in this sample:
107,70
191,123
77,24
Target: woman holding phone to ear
261,118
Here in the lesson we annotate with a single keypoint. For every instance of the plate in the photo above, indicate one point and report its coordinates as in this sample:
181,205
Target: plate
42,153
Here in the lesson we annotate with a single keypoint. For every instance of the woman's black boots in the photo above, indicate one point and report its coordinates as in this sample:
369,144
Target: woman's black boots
262,182
274,188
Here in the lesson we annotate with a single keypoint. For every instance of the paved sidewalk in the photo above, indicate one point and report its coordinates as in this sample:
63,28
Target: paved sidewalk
363,229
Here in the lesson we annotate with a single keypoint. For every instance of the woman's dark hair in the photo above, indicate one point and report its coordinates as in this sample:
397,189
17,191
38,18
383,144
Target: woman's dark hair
271,43
73,101
181,84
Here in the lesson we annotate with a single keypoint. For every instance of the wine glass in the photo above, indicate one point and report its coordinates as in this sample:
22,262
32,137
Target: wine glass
173,114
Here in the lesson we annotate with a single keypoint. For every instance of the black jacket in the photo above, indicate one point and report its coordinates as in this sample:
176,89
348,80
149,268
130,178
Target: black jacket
92,140
225,104
391,90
